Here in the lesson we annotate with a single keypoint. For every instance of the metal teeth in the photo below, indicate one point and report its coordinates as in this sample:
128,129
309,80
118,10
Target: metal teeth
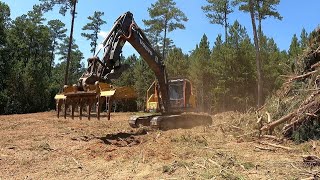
91,98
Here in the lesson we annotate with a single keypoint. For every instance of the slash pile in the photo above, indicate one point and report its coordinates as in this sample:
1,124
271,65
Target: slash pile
296,106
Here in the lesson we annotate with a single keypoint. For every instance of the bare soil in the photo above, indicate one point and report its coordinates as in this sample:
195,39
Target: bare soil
41,146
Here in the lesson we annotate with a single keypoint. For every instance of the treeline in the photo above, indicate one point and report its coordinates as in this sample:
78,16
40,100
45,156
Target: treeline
33,53
29,44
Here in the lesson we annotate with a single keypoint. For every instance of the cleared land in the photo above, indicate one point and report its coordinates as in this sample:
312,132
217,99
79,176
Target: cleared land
41,146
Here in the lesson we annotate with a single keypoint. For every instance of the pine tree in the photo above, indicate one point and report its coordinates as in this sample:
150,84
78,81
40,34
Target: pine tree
217,11
57,34
65,5
126,78
304,38
76,68
95,27
5,63
199,73
250,6
28,45
295,47
144,77
165,17
176,63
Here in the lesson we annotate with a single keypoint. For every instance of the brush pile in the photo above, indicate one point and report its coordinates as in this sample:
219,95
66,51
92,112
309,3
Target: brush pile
296,106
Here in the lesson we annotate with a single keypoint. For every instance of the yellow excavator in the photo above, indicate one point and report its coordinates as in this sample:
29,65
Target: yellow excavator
172,98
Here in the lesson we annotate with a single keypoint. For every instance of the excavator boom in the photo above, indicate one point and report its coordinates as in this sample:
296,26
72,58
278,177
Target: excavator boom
126,30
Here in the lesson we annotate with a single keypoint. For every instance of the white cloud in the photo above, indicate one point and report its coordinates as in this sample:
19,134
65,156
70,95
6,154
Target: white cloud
103,34
127,49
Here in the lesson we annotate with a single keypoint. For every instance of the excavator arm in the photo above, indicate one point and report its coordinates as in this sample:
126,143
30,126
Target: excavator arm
109,67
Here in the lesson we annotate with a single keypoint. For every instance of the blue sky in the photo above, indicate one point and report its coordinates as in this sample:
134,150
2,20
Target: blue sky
296,15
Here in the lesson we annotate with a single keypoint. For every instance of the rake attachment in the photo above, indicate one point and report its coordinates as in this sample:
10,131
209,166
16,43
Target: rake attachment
93,97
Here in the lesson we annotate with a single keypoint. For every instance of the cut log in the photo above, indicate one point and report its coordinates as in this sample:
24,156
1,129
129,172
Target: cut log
277,122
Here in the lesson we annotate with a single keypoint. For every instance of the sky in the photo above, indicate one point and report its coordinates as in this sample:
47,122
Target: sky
297,14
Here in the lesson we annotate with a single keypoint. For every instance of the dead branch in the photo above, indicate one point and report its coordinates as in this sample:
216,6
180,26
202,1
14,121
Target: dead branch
277,146
269,117
311,114
187,168
213,162
314,145
236,127
315,174
271,137
287,130
300,76
309,178
259,119
79,165
264,148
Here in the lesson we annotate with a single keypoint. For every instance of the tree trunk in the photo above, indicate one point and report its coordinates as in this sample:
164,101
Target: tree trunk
164,39
256,44
225,26
52,58
95,43
259,20
70,43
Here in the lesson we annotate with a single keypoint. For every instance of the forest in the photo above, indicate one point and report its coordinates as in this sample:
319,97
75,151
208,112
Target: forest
236,73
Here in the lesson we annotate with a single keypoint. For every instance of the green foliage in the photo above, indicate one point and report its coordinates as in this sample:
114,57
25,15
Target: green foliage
165,17
28,65
217,11
57,32
144,77
95,27
176,63
223,77
127,77
199,73
295,48
28,49
274,64
233,69
309,130
47,5
262,8
4,21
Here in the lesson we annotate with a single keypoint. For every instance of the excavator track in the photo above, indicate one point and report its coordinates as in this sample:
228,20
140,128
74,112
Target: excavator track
137,121
174,121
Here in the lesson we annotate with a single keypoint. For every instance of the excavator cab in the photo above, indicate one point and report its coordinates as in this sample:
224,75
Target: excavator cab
180,96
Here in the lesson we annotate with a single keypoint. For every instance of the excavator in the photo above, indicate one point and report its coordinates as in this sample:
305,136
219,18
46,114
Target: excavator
171,98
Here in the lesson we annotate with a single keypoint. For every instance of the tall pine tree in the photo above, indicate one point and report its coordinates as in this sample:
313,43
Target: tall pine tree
95,27
165,17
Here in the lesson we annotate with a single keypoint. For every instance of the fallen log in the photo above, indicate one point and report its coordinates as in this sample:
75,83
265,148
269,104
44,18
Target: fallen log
309,106
300,76
277,122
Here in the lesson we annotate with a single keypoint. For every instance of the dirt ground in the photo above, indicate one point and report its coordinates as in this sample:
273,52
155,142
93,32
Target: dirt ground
41,146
